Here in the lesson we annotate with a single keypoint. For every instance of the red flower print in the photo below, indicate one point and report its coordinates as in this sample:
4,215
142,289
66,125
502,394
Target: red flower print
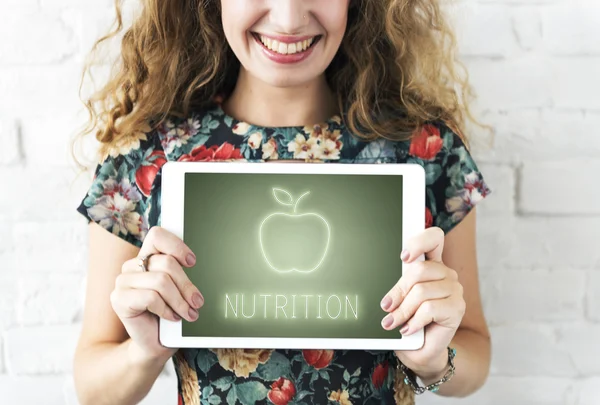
215,152
179,399
282,391
380,374
199,154
428,218
427,143
318,358
145,175
227,151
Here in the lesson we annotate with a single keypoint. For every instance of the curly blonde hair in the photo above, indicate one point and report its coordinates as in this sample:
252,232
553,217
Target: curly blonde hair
395,69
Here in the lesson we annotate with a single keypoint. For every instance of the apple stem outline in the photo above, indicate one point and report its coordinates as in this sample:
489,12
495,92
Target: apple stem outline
298,200
275,190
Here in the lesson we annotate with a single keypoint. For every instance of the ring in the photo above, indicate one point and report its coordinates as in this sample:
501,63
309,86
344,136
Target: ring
143,262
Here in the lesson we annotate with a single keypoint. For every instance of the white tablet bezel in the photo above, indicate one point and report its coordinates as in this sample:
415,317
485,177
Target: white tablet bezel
172,212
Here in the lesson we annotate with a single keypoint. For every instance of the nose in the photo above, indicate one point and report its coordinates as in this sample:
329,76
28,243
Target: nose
289,16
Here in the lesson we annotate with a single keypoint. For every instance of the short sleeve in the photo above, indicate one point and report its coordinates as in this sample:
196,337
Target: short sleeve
124,197
454,183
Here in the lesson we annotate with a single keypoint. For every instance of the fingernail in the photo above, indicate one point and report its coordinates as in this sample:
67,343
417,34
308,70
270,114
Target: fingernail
404,255
198,300
193,314
387,321
190,259
386,302
177,317
404,329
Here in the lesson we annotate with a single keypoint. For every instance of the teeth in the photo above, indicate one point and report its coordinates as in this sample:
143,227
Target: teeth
283,48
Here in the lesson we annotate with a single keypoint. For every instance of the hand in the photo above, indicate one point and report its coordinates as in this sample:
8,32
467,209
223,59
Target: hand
139,297
428,295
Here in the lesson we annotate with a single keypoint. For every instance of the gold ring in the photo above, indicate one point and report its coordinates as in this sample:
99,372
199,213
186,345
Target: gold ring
143,262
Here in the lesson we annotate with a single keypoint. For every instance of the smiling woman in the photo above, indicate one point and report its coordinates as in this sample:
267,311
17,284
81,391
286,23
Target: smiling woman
336,81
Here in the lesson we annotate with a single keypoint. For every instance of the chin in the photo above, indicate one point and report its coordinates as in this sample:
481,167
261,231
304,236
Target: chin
284,79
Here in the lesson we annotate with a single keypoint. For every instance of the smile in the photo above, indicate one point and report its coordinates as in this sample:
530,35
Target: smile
286,47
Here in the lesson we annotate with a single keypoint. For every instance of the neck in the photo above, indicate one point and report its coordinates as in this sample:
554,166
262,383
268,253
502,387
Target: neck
259,103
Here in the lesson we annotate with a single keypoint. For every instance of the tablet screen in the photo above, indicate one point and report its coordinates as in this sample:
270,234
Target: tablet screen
293,255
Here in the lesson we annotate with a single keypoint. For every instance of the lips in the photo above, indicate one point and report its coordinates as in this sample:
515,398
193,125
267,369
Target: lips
286,45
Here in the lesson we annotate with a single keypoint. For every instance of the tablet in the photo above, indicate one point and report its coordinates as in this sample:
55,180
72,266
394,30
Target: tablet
292,256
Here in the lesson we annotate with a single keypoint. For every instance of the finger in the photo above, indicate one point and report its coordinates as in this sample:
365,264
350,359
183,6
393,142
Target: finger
446,312
430,243
170,265
159,240
188,290
163,284
129,303
413,273
421,292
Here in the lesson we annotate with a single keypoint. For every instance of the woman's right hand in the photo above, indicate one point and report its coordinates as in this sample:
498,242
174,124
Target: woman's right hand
165,291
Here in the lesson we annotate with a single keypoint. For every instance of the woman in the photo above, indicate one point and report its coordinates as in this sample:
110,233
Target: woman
334,81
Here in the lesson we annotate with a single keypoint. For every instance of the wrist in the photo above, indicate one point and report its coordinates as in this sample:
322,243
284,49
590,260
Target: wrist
410,376
139,357
434,370
431,376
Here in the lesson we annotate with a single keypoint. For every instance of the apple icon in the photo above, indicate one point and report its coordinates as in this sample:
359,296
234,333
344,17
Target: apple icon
293,242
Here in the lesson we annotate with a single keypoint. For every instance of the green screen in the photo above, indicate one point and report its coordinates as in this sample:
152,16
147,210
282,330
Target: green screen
293,255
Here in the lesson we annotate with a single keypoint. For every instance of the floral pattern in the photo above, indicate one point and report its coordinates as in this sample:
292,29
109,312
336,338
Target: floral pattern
124,144
427,143
115,205
242,362
282,391
318,358
124,198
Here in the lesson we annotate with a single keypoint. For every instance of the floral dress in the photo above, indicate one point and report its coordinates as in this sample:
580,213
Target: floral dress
124,198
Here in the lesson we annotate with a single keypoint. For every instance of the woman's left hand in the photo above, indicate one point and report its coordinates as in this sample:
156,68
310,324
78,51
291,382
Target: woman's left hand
428,295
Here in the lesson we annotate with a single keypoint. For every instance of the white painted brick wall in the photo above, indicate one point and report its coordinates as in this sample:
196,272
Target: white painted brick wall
568,178
593,298
535,65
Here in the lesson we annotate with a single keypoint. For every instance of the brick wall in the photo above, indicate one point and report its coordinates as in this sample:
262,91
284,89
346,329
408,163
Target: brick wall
535,65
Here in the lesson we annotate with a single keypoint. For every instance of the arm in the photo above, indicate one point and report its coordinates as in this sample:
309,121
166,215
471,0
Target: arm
107,368
442,295
472,339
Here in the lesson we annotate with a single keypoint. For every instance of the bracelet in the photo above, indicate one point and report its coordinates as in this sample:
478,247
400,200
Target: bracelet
410,377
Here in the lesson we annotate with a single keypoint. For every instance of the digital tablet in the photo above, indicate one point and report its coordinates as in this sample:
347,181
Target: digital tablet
292,256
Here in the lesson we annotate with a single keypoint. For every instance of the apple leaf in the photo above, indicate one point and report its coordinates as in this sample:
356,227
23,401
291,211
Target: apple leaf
282,196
